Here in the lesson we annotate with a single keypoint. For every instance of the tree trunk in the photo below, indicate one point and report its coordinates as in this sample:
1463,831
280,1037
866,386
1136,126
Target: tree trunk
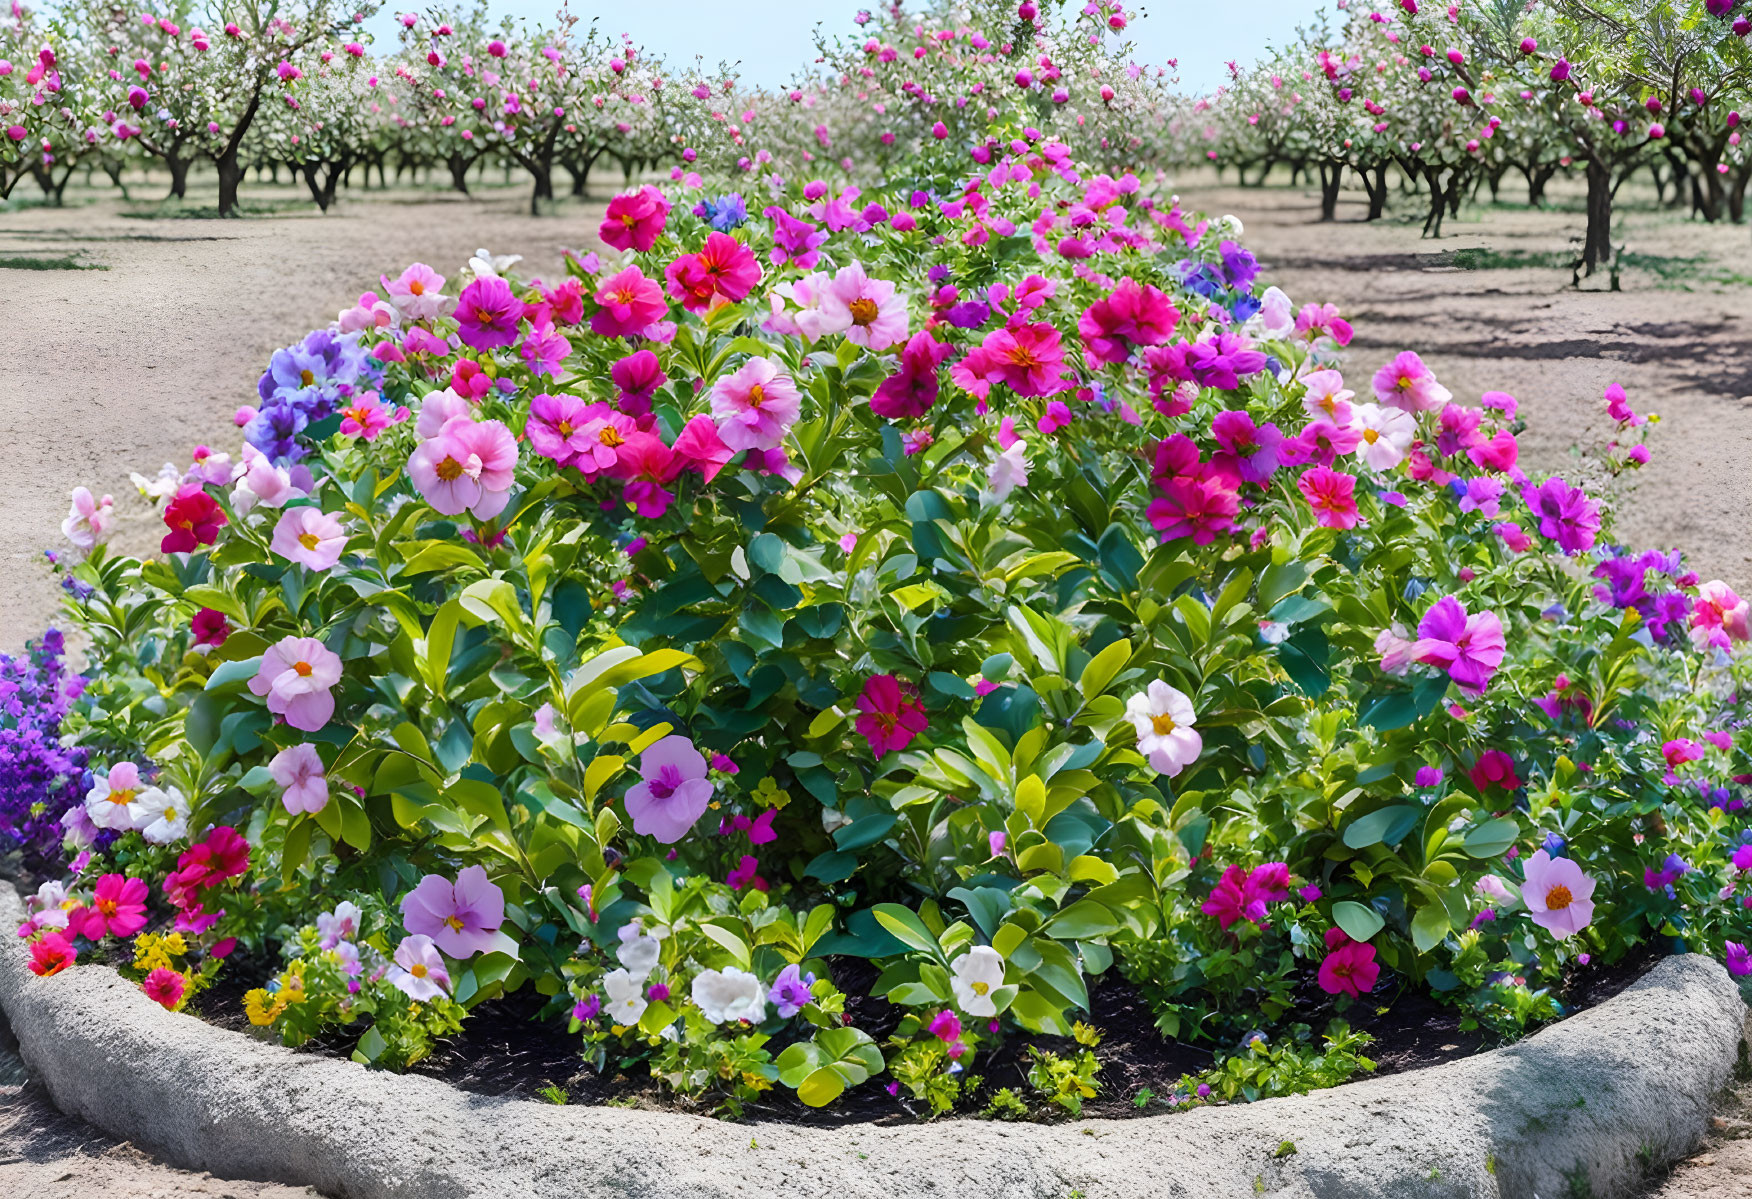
1438,202
1597,246
230,176
1536,181
1737,197
1377,192
179,175
1331,175
115,170
458,172
544,186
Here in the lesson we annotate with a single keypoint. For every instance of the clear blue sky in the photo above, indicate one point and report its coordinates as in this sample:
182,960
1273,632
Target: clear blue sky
770,37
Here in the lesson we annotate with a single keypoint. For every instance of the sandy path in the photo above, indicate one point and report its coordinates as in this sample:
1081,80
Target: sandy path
103,372
1681,353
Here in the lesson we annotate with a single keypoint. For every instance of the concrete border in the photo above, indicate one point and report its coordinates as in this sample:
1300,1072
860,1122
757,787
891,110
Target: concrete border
1585,1107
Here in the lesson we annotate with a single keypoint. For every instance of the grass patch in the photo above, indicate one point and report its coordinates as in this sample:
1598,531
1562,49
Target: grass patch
1678,271
43,262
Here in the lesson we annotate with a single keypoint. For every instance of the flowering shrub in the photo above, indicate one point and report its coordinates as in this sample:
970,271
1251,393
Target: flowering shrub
998,586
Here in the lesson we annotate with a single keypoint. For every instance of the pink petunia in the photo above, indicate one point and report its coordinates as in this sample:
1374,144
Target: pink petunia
117,908
673,791
874,315
467,467
558,428
1028,359
1349,967
298,769
1132,316
463,918
418,293
1468,647
723,271
755,406
890,717
1557,894
489,314
310,537
366,415
418,970
1718,616
1406,383
1332,496
635,220
295,677
630,304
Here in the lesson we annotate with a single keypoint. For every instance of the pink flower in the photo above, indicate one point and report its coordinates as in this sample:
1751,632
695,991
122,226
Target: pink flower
419,971
1680,751
194,519
1028,359
1737,958
559,429
1469,648
1557,894
1349,967
1327,398
673,791
890,717
1332,496
1517,541
118,908
89,520
746,874
724,271
209,627
299,769
1133,315
700,448
1199,507
544,349
367,416
873,315
1494,768
1718,616
755,406
489,314
309,537
50,954
417,295
295,677
438,409
635,220
468,467
630,304
1406,383
165,987
1241,894
638,376
463,918
911,390
1384,435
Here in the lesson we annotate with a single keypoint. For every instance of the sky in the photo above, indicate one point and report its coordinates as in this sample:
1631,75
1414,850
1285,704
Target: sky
769,38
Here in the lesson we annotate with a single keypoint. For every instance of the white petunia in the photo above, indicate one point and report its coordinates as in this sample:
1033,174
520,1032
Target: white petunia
638,951
727,995
1164,719
1387,434
1008,471
112,794
974,976
626,998
161,814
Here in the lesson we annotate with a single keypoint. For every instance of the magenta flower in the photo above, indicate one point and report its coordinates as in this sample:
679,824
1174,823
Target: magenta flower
1332,496
635,220
367,416
489,314
544,349
790,991
117,908
309,537
1557,894
299,769
559,428
463,918
1349,967
868,309
890,716
419,971
1469,648
724,271
468,467
295,678
911,390
630,304
1737,958
1566,515
673,792
1406,383
638,376
755,406
1028,359
1133,315
1718,616
1241,894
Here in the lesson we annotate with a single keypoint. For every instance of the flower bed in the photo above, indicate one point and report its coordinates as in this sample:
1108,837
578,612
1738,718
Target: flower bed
810,643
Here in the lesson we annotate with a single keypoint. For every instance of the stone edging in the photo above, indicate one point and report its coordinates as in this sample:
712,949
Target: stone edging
1584,1107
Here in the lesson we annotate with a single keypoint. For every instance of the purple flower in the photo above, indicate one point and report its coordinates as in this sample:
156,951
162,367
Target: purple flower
462,918
673,792
1429,776
1739,959
790,991
1566,515
544,350
794,240
1240,268
489,314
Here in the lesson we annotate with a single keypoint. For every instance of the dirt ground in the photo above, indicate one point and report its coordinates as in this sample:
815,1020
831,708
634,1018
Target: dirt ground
107,371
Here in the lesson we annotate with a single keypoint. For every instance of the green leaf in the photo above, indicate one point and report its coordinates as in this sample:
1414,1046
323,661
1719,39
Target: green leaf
1429,926
1358,921
1103,667
1492,838
904,924
1383,826
1084,919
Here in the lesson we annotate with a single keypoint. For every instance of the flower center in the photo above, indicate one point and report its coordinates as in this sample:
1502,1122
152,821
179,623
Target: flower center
120,797
981,988
756,396
307,540
483,316
564,428
629,220
302,669
1558,898
1405,382
610,436
863,311
106,907
1023,357
450,470
1371,436
1163,725
416,288
454,922
307,377
666,782
418,970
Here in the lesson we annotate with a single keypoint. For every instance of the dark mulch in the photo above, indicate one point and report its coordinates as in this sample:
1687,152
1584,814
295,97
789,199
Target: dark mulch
507,1050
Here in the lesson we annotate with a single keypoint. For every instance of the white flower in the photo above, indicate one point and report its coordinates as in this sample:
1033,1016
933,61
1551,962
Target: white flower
832,819
1277,314
161,814
340,925
1008,471
1230,223
486,265
112,792
89,519
1163,718
976,974
1387,434
159,489
626,999
639,952
728,995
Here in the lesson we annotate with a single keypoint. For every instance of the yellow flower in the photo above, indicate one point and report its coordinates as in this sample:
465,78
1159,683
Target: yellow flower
262,1008
174,945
